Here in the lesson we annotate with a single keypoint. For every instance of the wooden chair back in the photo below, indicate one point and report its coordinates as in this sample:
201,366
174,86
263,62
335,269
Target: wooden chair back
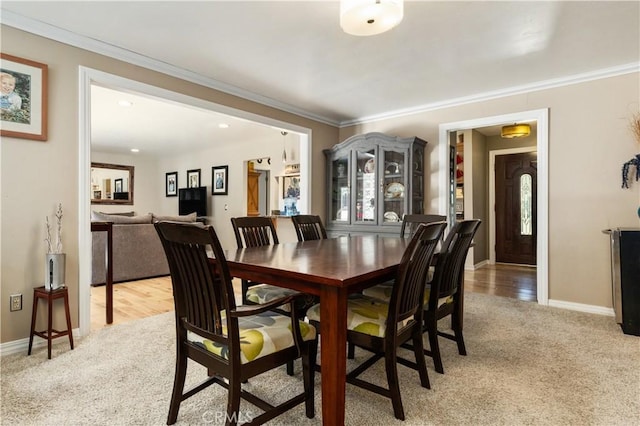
309,227
254,231
201,282
408,290
410,222
449,269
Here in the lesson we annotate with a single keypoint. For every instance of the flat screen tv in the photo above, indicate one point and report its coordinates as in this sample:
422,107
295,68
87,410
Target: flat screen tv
192,200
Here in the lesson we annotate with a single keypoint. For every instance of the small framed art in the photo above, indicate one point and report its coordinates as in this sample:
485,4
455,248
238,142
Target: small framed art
193,178
220,180
171,184
23,105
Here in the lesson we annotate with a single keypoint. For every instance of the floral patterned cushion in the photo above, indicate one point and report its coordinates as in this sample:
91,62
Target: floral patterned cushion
260,335
264,293
366,315
383,292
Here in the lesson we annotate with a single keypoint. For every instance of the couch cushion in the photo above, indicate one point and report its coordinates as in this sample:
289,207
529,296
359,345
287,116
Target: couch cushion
131,213
102,217
191,217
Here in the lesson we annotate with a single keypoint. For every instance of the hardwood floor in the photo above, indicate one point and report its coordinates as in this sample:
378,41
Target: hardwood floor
144,298
506,280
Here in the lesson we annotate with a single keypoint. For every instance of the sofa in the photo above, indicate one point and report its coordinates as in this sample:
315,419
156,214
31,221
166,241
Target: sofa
137,250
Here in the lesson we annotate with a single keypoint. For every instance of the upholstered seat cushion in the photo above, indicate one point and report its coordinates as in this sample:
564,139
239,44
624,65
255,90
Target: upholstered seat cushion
260,335
366,315
263,293
383,292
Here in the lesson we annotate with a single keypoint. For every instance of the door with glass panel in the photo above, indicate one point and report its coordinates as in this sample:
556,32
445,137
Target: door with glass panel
516,206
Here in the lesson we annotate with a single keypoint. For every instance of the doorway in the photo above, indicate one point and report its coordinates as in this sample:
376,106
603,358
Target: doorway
445,184
89,77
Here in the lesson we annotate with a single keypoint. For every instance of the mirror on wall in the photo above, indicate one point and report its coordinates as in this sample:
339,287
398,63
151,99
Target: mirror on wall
111,184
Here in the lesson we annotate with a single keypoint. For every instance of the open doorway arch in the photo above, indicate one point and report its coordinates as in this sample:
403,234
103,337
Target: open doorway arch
541,116
88,77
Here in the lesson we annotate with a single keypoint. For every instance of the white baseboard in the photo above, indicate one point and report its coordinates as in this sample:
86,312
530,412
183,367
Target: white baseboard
22,345
591,309
477,265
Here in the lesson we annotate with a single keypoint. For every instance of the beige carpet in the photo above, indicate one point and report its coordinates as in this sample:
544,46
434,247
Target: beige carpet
527,365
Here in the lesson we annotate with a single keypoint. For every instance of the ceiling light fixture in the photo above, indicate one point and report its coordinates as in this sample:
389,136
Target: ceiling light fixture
515,131
135,150
223,126
370,17
125,103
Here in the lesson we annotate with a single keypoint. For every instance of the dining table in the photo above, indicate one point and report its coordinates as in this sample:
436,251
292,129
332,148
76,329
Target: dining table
331,269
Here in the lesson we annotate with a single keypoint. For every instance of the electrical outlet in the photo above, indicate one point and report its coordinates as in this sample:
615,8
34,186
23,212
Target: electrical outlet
15,302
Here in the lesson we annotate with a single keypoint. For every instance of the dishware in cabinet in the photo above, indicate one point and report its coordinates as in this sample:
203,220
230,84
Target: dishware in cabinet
373,180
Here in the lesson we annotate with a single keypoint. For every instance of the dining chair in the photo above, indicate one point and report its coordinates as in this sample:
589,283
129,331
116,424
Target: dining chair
309,227
381,327
234,343
446,290
257,231
411,221
447,282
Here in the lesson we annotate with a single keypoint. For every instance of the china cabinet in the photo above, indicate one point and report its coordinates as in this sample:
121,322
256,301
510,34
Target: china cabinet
373,180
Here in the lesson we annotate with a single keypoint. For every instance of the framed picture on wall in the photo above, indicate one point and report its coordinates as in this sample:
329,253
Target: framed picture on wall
23,105
193,178
220,180
291,187
171,184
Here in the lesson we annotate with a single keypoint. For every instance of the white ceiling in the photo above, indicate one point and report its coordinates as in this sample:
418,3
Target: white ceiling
294,56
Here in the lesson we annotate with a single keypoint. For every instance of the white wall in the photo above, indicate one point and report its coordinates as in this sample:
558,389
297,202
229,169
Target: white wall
145,199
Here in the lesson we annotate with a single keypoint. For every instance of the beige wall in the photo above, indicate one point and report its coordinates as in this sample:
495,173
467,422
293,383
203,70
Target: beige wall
35,176
588,134
589,139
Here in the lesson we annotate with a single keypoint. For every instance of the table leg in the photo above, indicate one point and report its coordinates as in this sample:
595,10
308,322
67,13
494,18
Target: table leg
333,336
34,310
109,283
49,325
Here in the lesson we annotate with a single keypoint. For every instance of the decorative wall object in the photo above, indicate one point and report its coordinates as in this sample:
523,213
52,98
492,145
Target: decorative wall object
171,184
193,178
55,258
23,100
220,180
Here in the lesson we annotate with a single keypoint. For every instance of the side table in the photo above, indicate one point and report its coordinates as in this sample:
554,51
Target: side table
50,333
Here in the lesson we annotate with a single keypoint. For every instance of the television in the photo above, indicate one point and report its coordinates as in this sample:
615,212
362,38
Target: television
192,200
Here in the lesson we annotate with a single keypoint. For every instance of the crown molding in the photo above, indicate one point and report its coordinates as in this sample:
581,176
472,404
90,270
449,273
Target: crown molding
501,93
67,37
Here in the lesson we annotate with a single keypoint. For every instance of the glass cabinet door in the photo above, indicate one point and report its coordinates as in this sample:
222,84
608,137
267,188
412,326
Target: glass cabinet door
394,181
340,189
366,196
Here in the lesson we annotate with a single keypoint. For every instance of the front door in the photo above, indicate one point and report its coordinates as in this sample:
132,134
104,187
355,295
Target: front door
516,207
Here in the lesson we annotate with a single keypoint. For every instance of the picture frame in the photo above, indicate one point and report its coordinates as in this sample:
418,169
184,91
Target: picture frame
193,178
220,180
118,185
23,109
171,184
291,187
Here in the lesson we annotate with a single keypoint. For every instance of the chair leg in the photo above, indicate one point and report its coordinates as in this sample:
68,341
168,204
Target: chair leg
456,326
432,330
233,402
178,387
418,351
290,368
308,376
351,350
391,367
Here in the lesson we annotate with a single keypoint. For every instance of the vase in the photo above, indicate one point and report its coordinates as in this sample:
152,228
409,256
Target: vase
54,271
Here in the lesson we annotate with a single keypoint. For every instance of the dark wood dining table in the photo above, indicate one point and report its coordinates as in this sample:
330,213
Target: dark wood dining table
332,269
